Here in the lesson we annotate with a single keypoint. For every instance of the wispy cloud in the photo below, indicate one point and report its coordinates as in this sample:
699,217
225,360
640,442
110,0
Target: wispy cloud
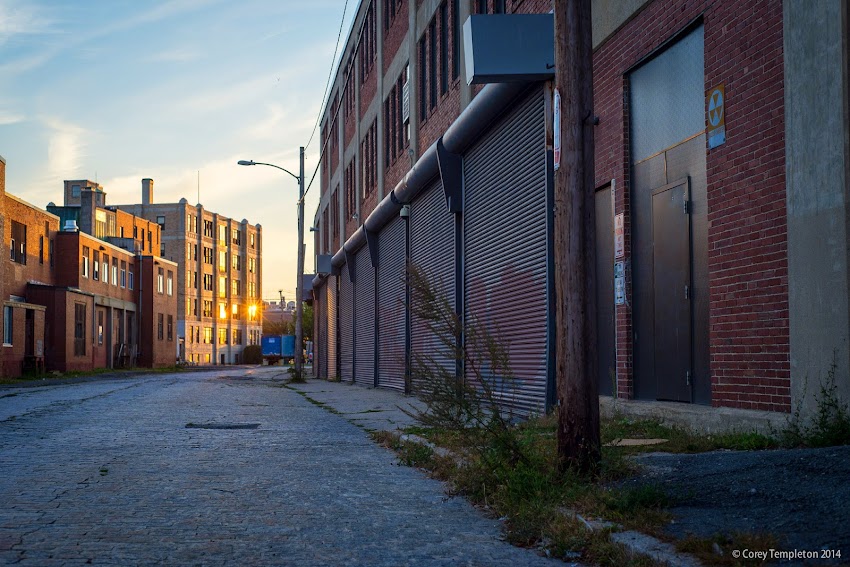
66,149
7,118
20,19
177,55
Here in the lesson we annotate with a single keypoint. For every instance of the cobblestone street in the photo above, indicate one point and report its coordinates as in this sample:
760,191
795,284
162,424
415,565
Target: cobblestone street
215,468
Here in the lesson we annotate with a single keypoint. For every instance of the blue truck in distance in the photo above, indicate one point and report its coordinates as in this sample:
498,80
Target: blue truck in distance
277,347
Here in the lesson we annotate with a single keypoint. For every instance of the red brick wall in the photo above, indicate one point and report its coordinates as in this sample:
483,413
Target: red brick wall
441,117
394,37
748,287
156,352
16,275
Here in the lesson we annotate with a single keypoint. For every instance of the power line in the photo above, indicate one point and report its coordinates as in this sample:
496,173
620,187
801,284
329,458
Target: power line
330,74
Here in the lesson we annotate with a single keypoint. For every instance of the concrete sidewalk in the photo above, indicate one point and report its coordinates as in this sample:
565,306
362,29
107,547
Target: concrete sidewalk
373,409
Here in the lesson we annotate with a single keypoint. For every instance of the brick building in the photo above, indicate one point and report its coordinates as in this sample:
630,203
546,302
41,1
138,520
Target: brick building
73,301
219,283
721,244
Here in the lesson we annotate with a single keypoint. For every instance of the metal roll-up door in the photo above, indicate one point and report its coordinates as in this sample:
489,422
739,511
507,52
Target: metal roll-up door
432,245
333,337
346,326
364,315
506,279
391,308
320,359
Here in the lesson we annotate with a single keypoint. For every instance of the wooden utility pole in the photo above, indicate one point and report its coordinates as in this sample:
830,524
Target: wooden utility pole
575,242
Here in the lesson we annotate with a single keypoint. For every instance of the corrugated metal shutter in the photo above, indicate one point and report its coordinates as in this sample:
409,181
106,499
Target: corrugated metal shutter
320,355
364,314
391,308
505,254
346,326
331,350
432,245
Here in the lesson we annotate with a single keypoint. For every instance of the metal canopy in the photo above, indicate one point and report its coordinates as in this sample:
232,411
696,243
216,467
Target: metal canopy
505,48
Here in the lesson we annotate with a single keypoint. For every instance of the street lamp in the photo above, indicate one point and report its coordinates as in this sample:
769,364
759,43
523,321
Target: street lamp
299,308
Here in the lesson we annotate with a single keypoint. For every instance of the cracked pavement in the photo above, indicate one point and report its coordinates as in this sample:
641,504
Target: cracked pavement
107,472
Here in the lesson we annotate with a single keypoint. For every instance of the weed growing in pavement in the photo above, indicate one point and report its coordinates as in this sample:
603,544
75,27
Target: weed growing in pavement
296,377
830,424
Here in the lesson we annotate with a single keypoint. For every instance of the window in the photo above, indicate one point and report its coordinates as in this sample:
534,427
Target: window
237,337
222,286
369,159
391,8
208,282
159,326
104,269
79,329
208,308
498,6
423,78
208,337
396,125
237,288
114,271
100,327
150,241
236,236
170,283
432,63
191,223
222,337
252,290
455,40
252,240
96,266
160,220
143,240
123,273
18,248
222,311
160,277
222,261
86,252
50,251
194,280
367,44
444,48
41,249
222,234
208,228
75,190
170,328
236,261
481,6
131,279
8,328
208,255
251,265
350,192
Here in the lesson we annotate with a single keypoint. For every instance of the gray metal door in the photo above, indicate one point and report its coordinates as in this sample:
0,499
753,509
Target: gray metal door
391,308
432,245
320,358
364,315
671,237
346,326
605,292
505,225
333,335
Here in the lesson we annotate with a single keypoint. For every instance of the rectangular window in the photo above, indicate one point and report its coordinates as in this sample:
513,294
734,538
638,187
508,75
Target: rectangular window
237,337
50,251
170,328
100,327
41,249
498,6
423,78
8,328
222,261
482,6
236,236
104,269
79,329
208,228
208,308
252,240
123,273
234,310
132,276
222,286
236,261
96,266
208,282
208,336
222,311
444,48
160,280
222,336
237,288
160,220
18,248
114,271
208,255
86,252
222,234
159,326
251,263
170,283
455,40
432,63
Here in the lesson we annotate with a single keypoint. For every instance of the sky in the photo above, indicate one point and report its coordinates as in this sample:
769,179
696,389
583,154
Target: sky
175,90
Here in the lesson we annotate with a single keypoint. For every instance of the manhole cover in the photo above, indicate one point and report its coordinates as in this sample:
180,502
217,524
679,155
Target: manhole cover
222,425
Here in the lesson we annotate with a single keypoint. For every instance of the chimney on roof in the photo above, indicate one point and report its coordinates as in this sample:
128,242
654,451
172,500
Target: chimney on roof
147,191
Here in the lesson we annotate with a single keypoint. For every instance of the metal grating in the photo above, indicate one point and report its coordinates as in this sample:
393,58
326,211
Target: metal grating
391,307
346,326
333,337
505,255
364,313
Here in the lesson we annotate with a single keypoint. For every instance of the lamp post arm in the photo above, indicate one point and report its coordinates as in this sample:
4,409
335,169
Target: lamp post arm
298,179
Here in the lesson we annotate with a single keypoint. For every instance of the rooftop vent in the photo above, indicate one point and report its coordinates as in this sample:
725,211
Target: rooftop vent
70,226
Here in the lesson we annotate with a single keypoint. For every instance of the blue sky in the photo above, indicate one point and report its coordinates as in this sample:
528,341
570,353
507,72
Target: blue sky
119,90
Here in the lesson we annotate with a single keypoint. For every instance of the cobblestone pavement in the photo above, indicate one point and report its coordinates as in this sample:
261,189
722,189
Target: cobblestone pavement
215,468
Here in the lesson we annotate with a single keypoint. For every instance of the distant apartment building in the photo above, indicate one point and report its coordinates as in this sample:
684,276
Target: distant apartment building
219,283
75,301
